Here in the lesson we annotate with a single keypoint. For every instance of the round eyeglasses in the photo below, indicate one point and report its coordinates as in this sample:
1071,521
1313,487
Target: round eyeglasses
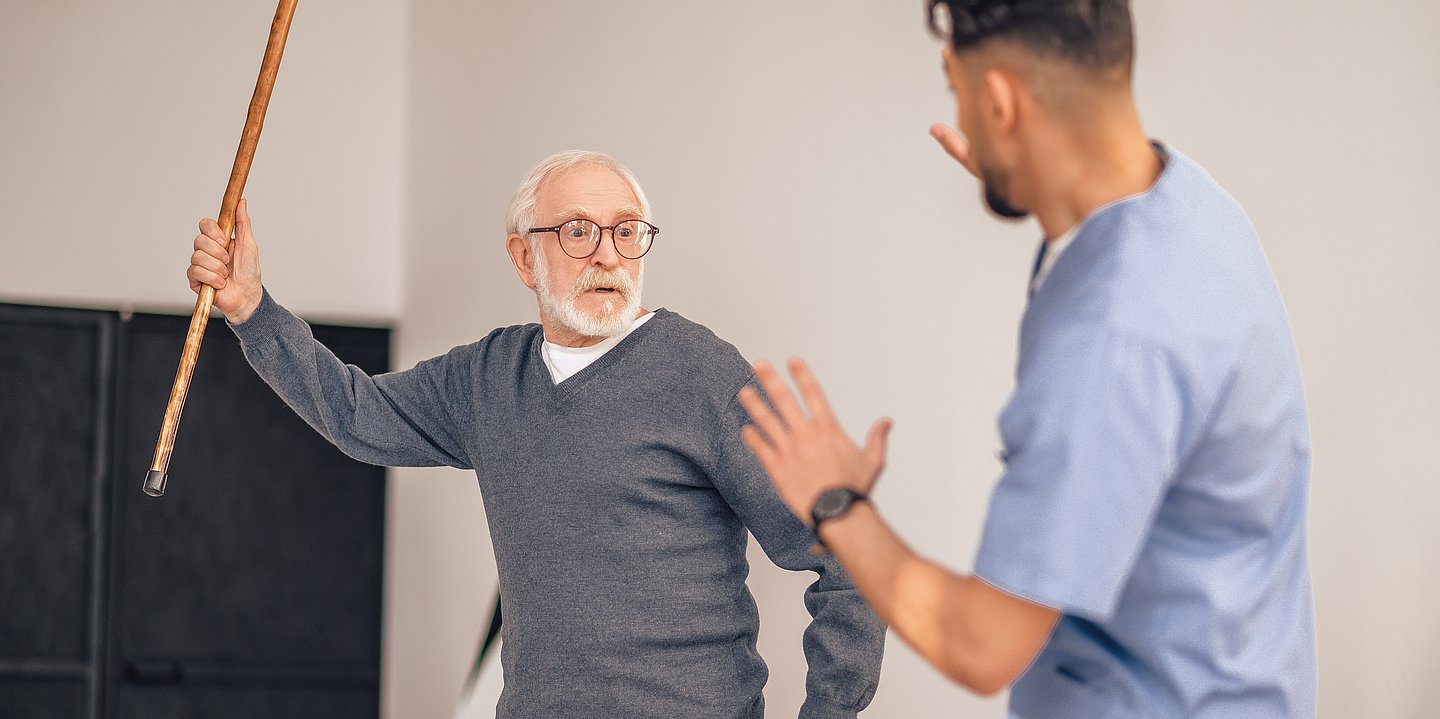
581,238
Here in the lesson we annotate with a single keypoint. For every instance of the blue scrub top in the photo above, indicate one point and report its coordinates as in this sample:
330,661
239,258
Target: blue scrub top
1157,465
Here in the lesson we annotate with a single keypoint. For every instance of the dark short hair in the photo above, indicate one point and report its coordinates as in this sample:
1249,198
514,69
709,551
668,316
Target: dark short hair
1092,34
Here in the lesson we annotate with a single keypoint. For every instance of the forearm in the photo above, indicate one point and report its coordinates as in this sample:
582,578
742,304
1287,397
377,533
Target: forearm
844,645
845,642
964,627
342,402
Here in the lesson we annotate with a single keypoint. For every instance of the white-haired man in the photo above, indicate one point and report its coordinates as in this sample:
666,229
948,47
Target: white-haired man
606,443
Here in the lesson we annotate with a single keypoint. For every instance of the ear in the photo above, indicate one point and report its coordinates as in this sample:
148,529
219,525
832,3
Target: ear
523,259
1001,105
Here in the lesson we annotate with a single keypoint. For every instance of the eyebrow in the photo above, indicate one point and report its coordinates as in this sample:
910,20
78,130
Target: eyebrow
630,212
577,212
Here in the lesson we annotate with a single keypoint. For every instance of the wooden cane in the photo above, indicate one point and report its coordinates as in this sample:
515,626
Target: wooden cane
269,67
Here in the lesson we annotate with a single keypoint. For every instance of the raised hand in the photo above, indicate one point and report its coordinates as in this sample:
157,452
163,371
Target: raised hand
806,455
234,273
956,146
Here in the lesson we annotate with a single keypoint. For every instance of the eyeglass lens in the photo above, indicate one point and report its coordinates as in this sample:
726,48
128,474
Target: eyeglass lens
579,238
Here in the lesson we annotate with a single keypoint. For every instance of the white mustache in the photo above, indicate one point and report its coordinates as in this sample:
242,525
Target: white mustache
593,278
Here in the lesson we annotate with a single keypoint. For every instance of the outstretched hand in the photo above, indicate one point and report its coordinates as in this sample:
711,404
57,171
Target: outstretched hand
956,146
806,455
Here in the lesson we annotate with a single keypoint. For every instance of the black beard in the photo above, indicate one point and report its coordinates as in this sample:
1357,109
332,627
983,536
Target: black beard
1001,206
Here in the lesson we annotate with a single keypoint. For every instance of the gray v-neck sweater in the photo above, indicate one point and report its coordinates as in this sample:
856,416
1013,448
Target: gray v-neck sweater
618,502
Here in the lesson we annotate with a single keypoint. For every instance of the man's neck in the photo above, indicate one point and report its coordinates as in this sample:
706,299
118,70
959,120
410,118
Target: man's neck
1086,172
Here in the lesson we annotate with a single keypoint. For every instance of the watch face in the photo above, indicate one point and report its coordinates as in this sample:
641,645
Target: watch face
832,503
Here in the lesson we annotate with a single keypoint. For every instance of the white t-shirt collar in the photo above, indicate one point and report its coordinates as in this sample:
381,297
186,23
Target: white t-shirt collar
1052,253
565,362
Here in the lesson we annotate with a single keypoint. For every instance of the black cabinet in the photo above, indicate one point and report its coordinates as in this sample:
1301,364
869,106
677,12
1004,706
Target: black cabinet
251,589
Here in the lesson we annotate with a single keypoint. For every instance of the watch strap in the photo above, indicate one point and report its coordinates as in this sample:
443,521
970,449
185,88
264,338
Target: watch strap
831,504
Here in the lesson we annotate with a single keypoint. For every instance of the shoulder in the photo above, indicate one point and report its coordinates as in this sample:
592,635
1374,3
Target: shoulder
501,346
694,355
1177,273
1187,202
689,339
511,336
1179,259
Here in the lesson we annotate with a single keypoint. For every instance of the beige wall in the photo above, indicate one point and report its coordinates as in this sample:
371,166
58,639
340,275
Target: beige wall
118,126
805,212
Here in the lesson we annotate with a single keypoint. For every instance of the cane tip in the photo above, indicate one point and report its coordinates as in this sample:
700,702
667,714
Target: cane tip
155,483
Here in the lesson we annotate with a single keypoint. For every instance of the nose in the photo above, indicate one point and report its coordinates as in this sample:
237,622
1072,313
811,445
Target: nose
606,255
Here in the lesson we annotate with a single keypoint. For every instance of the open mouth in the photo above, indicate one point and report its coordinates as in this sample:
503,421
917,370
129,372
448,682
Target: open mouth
606,290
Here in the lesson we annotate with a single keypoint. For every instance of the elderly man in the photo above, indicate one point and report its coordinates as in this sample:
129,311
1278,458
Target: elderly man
1144,551
606,443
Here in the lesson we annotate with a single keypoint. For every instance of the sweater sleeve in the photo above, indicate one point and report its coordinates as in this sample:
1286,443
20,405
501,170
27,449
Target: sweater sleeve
845,640
401,419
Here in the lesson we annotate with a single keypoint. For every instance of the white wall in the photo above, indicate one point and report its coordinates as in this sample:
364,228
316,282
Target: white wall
805,211
120,123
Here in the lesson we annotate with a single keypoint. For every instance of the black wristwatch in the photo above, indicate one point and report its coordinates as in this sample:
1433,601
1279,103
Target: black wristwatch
831,504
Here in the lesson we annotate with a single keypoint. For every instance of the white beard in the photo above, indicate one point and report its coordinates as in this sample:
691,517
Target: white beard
616,314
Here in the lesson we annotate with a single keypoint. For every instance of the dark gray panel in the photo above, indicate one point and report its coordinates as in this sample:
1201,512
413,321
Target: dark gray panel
209,702
267,546
42,699
48,388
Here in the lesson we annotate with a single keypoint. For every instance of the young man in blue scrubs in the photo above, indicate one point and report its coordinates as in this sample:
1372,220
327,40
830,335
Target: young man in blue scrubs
1144,551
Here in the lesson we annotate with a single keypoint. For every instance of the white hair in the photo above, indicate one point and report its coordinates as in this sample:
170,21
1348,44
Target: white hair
521,215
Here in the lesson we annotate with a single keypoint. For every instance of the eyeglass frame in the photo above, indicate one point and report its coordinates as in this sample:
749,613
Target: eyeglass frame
596,248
